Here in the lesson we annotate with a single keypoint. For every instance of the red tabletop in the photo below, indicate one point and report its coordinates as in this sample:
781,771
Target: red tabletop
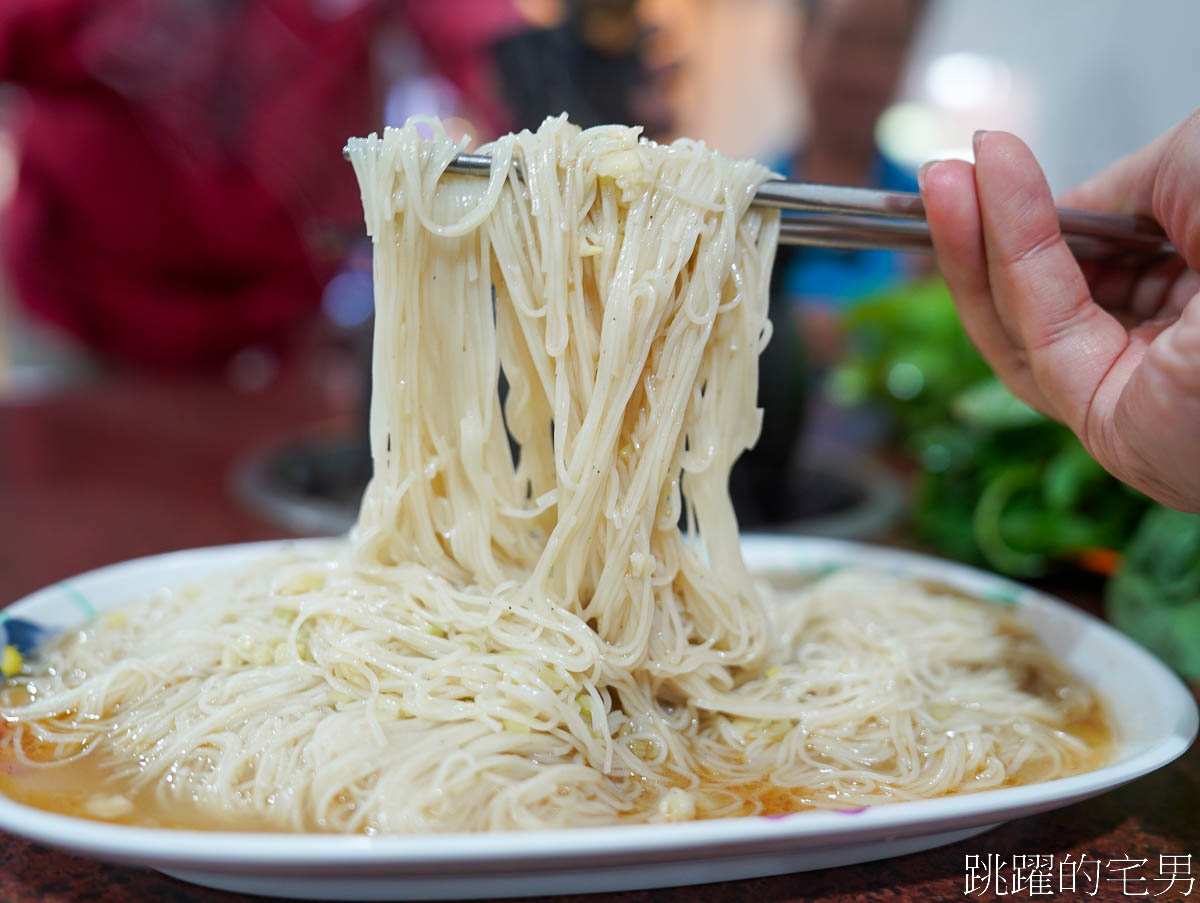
132,466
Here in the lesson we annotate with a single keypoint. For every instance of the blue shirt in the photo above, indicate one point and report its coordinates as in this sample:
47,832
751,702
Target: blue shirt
830,277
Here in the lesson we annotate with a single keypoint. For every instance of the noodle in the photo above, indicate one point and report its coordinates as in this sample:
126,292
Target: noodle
520,640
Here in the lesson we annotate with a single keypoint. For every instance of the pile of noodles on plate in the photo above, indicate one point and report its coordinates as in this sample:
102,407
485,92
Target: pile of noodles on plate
527,638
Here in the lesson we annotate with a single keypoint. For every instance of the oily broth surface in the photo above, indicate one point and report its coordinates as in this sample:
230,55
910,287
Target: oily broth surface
72,787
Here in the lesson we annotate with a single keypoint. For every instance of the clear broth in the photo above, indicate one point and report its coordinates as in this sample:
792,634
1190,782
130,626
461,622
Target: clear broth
68,788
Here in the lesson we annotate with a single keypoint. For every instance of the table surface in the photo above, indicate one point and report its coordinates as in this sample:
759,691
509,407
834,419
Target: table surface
131,466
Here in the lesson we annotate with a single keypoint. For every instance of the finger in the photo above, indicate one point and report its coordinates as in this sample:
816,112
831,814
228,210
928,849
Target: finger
1184,291
1176,188
1165,389
1126,186
1111,286
1135,293
1160,181
952,211
1038,288
1160,290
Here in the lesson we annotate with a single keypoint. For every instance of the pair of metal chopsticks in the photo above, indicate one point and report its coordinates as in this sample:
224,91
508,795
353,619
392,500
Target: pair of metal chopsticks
866,218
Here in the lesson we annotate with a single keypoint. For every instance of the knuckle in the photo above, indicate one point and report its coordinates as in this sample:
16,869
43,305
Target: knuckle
1031,248
1063,320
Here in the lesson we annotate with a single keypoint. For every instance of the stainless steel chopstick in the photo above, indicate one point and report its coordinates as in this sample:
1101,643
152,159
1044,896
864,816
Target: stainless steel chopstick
843,216
834,230
891,214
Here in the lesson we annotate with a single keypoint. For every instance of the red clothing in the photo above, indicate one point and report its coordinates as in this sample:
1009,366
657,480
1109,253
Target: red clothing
181,174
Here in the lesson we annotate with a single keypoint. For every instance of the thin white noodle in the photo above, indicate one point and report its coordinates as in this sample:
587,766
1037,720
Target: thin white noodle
523,644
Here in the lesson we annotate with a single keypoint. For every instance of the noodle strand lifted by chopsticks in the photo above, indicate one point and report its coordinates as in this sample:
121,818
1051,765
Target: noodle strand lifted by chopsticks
534,642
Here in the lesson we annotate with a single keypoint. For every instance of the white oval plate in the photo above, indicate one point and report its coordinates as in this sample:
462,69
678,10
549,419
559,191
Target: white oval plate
1154,714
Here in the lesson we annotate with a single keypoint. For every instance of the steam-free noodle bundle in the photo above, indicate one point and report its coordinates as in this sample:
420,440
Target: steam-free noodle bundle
520,635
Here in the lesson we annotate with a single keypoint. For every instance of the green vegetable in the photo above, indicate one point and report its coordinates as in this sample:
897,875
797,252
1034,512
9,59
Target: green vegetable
909,354
989,524
987,405
1155,596
999,484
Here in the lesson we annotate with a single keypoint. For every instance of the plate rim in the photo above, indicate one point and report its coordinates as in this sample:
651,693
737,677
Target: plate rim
512,851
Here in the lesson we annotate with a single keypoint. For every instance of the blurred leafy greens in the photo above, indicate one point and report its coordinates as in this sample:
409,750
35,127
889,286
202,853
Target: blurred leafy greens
999,484
1155,596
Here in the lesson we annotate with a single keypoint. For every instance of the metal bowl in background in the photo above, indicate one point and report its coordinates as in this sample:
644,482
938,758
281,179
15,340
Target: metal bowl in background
310,485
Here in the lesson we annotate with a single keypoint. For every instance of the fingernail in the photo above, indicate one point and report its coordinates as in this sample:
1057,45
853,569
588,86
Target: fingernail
924,170
976,138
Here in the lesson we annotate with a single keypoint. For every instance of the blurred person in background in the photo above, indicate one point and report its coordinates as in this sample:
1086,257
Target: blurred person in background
181,193
852,54
591,66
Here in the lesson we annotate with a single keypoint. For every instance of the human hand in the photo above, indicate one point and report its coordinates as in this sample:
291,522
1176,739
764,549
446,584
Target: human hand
1114,354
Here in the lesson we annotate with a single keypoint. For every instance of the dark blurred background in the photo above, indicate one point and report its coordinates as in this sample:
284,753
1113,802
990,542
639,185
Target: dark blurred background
186,294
